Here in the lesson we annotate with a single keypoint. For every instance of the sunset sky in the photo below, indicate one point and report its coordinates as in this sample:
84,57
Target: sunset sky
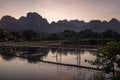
55,10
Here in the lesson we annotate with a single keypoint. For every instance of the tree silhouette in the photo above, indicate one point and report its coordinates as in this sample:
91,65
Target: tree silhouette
108,58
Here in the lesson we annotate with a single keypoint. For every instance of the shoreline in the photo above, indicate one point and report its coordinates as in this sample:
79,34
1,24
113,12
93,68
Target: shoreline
71,47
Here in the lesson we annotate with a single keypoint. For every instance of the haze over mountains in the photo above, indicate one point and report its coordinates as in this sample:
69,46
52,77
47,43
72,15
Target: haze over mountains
38,23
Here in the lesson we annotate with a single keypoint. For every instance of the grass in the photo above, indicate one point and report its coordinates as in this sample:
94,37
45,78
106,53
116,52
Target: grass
30,43
47,43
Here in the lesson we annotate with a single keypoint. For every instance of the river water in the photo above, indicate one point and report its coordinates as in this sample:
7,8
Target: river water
14,68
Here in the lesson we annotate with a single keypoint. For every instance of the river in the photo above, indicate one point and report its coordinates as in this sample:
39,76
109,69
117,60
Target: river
14,68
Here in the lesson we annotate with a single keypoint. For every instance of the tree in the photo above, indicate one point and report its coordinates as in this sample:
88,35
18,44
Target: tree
110,34
5,35
68,35
53,36
108,58
88,33
29,34
16,34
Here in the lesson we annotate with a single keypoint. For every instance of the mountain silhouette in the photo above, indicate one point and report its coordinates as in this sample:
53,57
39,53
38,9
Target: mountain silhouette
38,23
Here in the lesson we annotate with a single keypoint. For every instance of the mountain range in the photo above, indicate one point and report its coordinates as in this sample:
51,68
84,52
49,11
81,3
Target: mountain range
38,23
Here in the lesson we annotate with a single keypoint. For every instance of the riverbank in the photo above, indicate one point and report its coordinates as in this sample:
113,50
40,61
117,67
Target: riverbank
48,44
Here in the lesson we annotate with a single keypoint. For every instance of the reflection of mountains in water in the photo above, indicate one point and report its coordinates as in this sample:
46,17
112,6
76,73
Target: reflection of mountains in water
70,51
44,51
33,55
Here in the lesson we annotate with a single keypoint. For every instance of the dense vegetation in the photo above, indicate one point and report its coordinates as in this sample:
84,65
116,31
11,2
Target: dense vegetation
67,37
108,58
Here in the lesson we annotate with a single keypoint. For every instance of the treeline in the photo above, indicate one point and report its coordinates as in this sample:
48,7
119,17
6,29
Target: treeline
85,37
27,35
67,37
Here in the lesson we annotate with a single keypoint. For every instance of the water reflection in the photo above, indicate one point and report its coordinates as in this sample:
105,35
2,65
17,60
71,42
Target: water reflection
70,56
7,56
31,69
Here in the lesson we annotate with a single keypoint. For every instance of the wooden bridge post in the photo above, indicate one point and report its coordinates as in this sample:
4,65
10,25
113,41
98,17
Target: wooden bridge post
56,57
79,57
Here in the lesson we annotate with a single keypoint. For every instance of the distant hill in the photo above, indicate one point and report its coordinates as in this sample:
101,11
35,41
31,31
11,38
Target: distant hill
38,23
